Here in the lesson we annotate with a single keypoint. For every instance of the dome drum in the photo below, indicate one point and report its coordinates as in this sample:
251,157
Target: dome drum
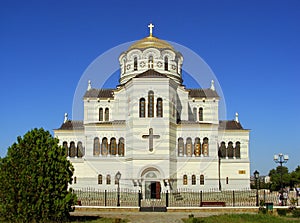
150,53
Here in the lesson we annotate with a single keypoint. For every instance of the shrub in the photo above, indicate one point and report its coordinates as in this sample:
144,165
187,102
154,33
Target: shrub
296,213
282,212
262,210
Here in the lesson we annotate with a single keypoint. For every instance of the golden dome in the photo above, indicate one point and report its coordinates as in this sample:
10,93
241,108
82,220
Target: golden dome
151,41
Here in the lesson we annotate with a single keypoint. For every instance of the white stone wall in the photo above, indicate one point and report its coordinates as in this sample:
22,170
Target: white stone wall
127,63
164,158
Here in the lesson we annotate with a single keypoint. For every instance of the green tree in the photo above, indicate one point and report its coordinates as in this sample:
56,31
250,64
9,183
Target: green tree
295,177
34,180
275,175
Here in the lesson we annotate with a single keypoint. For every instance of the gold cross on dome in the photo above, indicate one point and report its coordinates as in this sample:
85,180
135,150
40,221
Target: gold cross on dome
150,26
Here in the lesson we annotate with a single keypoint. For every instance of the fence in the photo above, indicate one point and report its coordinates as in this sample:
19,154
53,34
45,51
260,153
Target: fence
130,198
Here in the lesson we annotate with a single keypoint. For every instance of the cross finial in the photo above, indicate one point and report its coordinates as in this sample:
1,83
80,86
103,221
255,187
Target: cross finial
150,26
66,117
237,117
89,85
212,86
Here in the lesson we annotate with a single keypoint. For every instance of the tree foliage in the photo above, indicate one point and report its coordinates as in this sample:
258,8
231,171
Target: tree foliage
34,180
295,177
289,179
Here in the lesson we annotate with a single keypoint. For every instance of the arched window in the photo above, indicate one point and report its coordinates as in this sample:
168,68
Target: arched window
222,152
106,114
150,104
189,145
201,179
159,108
237,150
80,150
121,146
72,149
166,63
108,179
227,180
99,179
150,62
65,145
193,179
100,114
185,180
142,108
96,151
205,147
200,114
180,147
135,64
104,146
113,146
195,114
197,147
230,150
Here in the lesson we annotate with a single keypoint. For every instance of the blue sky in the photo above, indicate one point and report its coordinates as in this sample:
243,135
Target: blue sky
253,48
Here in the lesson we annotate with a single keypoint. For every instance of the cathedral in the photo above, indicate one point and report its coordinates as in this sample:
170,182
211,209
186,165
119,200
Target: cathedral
155,132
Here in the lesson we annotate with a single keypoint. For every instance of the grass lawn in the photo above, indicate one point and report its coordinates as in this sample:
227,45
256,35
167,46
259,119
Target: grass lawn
244,218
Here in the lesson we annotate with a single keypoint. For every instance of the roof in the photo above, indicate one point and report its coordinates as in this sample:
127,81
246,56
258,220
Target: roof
191,122
151,74
202,93
230,125
78,125
99,93
72,125
225,124
151,41
114,122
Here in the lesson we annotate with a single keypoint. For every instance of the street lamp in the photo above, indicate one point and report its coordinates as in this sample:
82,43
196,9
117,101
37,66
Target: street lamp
256,176
118,177
280,158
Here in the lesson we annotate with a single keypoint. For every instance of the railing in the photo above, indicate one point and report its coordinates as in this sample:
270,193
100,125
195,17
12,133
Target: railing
133,198
93,197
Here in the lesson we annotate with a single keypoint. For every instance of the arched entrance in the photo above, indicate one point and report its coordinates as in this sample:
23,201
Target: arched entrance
152,184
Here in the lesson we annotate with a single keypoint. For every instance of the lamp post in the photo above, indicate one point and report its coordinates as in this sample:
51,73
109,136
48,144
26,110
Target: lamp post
280,158
256,176
118,177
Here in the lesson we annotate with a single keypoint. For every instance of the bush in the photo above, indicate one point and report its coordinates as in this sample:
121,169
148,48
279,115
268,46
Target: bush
282,212
296,213
262,210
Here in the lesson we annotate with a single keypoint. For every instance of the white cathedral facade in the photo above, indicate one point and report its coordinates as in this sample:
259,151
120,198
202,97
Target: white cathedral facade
157,133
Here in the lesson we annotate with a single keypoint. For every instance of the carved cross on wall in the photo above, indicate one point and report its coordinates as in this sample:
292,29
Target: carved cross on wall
151,137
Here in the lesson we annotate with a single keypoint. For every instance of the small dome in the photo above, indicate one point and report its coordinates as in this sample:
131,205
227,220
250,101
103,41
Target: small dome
151,41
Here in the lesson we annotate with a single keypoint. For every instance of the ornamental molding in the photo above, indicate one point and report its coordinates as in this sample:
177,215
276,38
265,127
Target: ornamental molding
151,52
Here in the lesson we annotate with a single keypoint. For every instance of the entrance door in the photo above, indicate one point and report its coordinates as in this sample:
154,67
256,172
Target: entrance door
153,190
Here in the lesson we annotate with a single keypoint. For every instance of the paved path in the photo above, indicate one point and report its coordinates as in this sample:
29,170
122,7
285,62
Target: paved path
148,217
